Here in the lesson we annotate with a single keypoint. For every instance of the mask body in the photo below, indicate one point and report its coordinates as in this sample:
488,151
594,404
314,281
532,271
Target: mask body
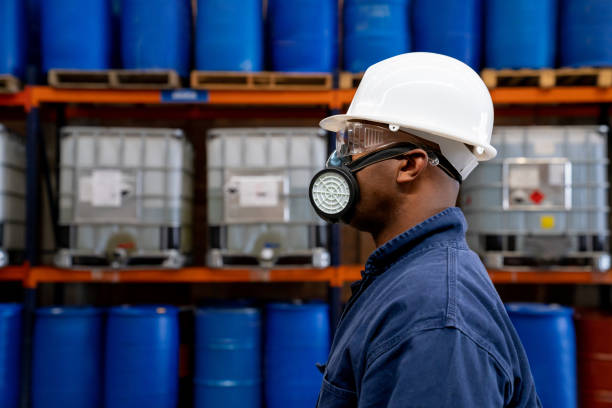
334,191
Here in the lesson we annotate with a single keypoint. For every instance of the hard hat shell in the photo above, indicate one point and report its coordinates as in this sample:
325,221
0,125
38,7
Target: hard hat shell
427,93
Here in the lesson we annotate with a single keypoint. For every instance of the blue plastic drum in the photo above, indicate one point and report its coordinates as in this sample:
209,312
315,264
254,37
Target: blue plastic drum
229,35
75,34
228,358
586,33
156,34
547,333
375,30
302,35
449,27
10,354
520,33
13,39
142,357
67,358
297,338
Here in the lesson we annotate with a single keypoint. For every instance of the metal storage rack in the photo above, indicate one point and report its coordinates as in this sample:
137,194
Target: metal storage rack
587,101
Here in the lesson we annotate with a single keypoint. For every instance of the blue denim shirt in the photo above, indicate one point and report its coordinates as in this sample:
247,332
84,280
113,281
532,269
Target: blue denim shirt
425,327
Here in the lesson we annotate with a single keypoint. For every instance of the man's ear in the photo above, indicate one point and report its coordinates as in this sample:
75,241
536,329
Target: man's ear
411,165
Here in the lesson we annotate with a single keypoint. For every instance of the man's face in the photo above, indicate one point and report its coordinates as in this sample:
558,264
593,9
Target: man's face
377,189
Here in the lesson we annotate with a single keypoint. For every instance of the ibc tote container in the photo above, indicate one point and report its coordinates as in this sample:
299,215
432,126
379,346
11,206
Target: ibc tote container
125,196
229,35
258,208
12,198
156,34
13,39
75,34
543,200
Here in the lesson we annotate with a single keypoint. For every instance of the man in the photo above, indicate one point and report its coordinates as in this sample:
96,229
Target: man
425,326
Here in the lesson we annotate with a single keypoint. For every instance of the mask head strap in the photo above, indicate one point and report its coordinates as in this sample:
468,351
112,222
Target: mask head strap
398,150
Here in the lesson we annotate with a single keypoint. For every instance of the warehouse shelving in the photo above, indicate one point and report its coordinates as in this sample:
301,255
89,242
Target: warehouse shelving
188,103
184,275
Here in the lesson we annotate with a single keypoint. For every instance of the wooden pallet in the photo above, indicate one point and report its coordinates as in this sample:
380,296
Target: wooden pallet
9,84
116,79
349,80
68,78
145,79
260,80
547,78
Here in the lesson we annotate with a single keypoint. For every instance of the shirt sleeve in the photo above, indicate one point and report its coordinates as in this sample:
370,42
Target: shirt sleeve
436,368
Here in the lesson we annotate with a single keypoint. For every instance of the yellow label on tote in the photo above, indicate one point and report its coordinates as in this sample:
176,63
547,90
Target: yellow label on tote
547,222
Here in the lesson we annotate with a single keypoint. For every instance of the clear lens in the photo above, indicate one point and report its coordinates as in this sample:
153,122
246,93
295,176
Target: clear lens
359,138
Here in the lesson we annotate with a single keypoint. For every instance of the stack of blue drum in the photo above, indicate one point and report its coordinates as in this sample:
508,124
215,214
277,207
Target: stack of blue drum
303,35
140,368
230,342
155,34
127,356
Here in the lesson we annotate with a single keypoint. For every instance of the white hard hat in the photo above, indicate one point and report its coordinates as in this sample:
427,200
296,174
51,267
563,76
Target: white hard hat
435,97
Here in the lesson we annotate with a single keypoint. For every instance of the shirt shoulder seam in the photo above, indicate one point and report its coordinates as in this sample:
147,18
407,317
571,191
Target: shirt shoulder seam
389,343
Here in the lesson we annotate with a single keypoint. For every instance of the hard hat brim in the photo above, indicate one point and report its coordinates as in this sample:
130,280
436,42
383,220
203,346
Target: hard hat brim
336,123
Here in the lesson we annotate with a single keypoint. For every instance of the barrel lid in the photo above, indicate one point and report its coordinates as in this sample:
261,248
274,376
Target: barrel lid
143,310
68,311
227,309
7,309
538,309
297,306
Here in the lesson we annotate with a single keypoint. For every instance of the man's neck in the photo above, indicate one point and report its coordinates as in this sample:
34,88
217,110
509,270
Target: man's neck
403,220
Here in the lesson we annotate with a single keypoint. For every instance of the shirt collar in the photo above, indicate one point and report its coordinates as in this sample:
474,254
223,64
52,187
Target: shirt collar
446,226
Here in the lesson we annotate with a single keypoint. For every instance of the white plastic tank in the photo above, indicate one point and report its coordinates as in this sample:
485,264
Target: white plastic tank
543,200
125,196
12,197
258,207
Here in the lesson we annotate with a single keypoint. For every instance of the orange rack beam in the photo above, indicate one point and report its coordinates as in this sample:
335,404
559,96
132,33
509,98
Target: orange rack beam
552,277
185,275
13,273
17,99
523,96
560,95
352,273
335,98
276,98
45,94
335,276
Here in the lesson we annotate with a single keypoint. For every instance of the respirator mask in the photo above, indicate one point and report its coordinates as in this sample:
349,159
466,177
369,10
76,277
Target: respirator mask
334,191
